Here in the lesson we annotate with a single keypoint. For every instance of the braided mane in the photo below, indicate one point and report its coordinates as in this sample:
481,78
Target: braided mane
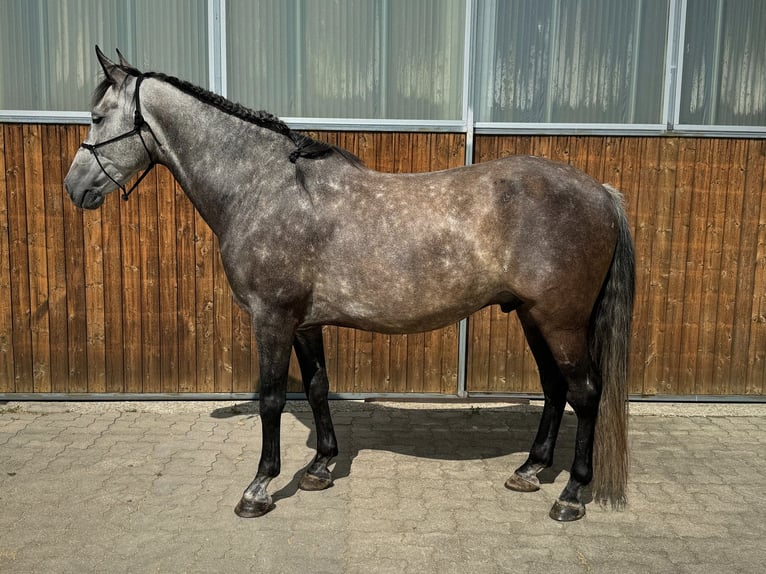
305,146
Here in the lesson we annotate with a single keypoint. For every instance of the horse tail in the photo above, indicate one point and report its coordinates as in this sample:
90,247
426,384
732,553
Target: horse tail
609,348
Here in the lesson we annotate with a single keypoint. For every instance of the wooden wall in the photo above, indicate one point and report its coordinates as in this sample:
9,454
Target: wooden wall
132,297
699,225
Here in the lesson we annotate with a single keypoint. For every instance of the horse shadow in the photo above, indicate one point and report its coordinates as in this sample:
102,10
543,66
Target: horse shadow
450,434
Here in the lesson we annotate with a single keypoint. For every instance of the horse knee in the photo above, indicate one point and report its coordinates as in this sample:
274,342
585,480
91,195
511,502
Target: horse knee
271,404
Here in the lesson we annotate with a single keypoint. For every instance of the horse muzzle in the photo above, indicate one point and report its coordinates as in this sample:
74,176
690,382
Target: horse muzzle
87,198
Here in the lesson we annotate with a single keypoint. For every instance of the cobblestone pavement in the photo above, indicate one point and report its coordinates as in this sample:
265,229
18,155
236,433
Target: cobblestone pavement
151,487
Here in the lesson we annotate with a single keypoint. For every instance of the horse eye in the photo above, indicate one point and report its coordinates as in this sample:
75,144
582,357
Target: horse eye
96,119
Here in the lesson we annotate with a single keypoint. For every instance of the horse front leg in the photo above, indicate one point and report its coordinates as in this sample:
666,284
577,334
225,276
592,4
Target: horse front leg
274,339
309,348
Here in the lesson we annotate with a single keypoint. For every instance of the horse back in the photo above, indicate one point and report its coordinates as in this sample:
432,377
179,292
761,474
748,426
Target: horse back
437,246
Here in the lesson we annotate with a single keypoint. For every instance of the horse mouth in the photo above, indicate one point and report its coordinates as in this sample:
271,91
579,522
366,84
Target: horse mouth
92,199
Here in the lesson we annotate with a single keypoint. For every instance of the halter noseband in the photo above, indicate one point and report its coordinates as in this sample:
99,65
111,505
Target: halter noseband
138,123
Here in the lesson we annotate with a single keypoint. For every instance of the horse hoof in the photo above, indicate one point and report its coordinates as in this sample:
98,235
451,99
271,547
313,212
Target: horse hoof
563,511
247,509
520,484
313,482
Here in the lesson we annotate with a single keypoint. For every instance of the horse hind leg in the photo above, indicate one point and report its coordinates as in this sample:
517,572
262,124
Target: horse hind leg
524,479
309,348
579,383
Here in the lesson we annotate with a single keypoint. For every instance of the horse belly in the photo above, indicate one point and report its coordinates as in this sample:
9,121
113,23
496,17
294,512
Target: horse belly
405,296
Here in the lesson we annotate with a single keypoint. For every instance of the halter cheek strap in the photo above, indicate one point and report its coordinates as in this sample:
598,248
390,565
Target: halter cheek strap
138,124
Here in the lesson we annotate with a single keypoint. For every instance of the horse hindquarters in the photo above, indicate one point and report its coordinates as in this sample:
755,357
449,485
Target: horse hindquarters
588,368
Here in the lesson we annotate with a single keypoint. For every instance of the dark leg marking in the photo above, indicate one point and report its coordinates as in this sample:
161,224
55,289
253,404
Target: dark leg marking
309,348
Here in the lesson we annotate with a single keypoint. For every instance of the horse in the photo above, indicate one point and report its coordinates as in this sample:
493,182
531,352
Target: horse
310,236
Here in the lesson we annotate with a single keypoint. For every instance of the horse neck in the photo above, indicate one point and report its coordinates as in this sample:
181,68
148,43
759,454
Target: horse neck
221,162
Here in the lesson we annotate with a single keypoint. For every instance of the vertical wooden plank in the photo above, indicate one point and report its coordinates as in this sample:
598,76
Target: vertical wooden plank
330,339
478,355
711,274
38,257
695,263
146,196
542,146
433,353
756,368
449,366
681,222
204,258
398,363
746,320
660,175
612,162
7,382
362,361
222,305
187,304
132,319
731,266
75,277
596,157
559,150
381,363
630,165
242,351
344,355
95,350
167,281
19,259
501,379
111,237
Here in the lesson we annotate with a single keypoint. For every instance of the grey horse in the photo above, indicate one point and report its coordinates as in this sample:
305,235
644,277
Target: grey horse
309,236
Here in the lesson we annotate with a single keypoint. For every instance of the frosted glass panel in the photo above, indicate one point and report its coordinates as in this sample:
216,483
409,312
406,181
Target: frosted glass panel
380,59
582,61
47,46
724,74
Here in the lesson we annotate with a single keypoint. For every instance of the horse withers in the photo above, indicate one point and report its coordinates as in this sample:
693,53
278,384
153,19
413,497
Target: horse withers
309,236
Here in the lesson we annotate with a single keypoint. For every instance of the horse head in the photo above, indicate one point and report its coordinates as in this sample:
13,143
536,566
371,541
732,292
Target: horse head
117,146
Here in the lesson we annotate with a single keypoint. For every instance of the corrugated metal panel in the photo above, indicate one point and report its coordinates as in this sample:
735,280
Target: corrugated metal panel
571,61
46,46
387,59
724,73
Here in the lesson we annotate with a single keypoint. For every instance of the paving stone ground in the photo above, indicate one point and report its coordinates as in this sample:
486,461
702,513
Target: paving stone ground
151,487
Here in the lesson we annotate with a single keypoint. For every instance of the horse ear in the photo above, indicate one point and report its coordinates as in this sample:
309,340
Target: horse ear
123,61
112,71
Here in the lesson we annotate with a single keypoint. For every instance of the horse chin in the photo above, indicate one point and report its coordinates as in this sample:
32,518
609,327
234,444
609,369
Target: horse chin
92,199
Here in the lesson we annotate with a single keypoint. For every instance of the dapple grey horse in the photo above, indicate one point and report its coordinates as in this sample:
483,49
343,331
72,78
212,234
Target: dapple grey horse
309,236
